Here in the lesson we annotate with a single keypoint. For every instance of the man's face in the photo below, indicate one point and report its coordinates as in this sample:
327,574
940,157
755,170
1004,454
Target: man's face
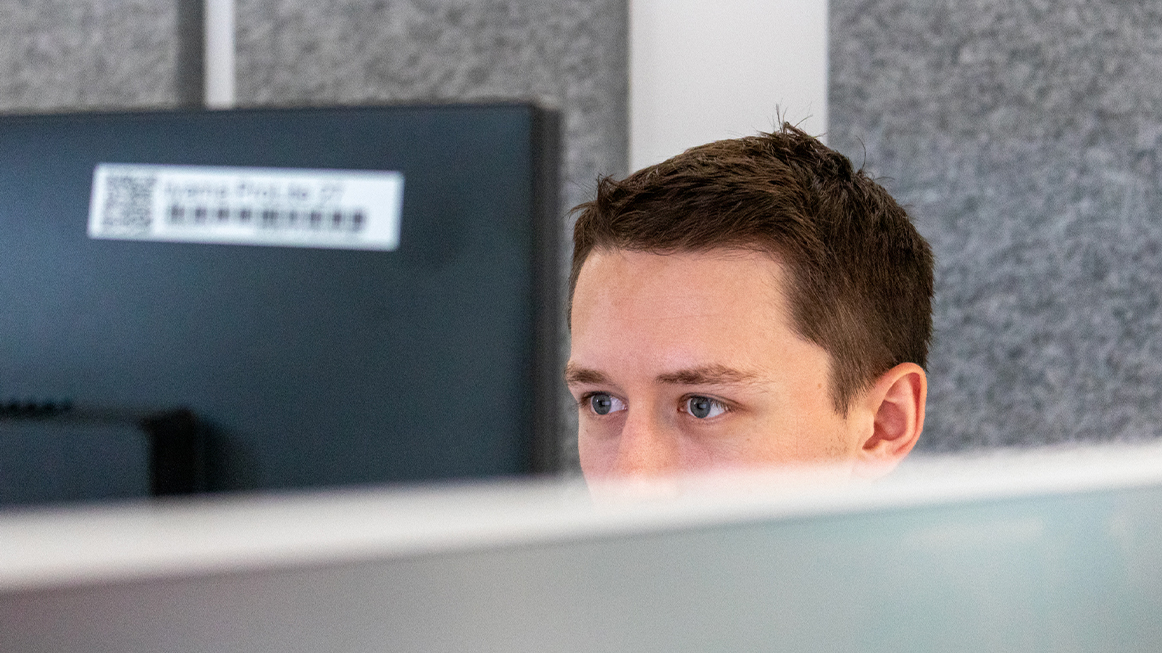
688,362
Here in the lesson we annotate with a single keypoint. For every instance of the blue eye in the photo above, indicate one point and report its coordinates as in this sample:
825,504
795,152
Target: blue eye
604,404
704,407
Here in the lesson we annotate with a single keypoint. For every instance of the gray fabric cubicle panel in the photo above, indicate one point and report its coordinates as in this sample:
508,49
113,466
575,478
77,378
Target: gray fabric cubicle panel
1024,138
84,54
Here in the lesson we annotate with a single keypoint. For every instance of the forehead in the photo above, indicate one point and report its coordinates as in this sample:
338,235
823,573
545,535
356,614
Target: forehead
682,309
652,279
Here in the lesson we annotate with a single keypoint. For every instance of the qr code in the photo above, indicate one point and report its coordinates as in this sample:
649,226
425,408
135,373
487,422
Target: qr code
129,202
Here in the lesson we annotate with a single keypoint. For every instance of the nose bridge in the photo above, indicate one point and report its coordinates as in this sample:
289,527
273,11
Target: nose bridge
646,446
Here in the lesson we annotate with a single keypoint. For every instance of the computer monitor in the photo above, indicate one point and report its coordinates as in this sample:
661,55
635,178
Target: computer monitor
1056,554
338,295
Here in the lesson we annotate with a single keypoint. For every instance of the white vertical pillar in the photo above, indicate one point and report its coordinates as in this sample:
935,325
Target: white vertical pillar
702,71
219,53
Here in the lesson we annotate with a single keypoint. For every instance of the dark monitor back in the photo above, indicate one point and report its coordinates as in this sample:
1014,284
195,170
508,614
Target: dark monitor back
309,366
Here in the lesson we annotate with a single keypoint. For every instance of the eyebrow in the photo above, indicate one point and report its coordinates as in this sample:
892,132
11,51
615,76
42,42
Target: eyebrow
575,374
704,375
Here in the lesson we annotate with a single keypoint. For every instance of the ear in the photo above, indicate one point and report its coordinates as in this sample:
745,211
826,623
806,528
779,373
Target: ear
897,402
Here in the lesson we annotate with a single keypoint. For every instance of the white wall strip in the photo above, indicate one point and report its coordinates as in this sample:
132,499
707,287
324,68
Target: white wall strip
219,53
702,71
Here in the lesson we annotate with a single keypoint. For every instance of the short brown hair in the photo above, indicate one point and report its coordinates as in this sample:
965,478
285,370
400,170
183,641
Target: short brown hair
860,274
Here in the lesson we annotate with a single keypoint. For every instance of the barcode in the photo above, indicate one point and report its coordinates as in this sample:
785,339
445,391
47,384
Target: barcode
129,202
352,221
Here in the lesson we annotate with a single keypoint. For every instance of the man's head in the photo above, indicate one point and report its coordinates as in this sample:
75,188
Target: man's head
748,302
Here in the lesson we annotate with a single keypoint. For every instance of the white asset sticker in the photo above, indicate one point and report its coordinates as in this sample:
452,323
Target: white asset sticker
288,207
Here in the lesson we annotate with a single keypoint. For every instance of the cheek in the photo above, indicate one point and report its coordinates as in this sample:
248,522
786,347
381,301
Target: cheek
804,435
738,445
595,453
814,431
823,436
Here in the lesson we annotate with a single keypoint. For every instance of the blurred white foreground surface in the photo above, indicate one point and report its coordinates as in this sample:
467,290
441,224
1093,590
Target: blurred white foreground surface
1050,550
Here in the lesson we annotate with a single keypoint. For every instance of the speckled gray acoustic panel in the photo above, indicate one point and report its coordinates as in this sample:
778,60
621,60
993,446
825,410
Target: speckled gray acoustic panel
569,54
1024,138
85,54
